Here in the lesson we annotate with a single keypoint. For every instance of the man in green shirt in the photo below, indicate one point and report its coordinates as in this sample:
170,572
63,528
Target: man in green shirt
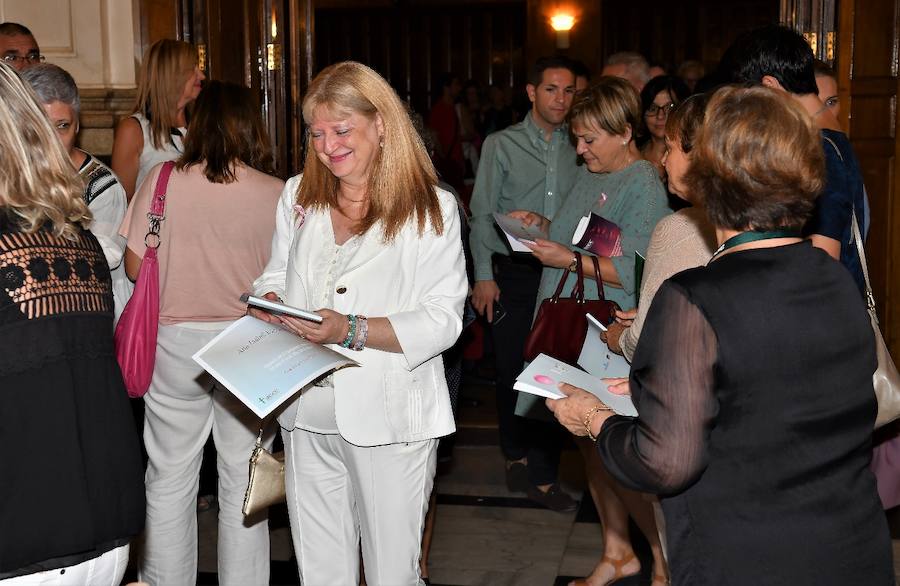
528,166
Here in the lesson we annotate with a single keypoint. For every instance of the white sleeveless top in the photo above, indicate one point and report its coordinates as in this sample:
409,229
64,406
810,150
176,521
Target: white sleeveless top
152,156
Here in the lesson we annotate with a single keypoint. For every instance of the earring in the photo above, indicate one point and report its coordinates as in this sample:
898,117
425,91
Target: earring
624,143
381,142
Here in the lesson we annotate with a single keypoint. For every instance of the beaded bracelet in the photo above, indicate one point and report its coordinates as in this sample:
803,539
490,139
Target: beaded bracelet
589,419
351,333
362,333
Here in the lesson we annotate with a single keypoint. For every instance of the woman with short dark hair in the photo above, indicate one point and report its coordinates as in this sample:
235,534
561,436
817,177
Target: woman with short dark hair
754,392
215,238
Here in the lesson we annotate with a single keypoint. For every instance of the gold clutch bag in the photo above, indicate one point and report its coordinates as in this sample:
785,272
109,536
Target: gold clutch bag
266,486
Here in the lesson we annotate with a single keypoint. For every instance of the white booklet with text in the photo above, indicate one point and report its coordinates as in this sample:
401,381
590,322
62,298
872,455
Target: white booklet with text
544,373
263,364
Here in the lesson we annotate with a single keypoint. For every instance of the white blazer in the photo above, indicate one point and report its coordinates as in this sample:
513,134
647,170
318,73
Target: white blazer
418,283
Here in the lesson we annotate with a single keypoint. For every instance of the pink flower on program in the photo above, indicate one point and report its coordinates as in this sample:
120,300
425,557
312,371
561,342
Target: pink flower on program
300,216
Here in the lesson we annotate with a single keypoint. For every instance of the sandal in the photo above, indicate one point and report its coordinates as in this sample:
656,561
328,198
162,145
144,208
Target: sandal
619,578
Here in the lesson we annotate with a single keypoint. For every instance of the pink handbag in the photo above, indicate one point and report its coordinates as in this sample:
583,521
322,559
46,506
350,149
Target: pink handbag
135,335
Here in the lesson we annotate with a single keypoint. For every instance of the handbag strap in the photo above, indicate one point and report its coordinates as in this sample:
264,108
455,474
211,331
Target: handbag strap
157,211
598,277
857,236
860,249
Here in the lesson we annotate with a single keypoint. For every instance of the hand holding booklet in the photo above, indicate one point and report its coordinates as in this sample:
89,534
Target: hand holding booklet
544,373
517,232
263,364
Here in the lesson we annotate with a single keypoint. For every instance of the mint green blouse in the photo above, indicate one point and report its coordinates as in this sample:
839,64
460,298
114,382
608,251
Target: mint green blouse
635,200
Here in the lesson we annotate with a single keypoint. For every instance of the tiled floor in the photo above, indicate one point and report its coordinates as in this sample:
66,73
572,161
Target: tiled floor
484,535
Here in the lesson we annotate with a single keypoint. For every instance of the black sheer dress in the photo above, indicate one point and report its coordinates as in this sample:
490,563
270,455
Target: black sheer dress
753,381
71,480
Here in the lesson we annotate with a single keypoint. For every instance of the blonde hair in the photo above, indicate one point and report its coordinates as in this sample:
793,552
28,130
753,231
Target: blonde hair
402,179
612,105
164,72
38,183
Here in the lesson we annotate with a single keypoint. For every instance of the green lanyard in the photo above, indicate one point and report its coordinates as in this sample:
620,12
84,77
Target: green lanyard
745,237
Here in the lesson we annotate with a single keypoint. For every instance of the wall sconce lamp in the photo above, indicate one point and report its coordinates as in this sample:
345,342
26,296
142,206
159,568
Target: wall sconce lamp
562,23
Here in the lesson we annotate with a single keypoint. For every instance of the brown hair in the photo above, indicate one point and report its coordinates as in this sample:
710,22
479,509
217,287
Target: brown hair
612,104
757,160
164,71
226,130
38,183
402,179
686,119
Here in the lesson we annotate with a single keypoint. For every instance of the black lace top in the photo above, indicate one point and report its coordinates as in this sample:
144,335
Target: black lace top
71,482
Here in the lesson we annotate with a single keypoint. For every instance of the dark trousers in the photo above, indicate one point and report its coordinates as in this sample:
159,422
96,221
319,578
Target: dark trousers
520,437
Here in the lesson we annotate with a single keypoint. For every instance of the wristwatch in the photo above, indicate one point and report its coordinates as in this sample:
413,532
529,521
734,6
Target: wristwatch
573,266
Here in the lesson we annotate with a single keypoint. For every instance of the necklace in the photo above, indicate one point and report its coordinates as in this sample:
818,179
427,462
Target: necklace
753,236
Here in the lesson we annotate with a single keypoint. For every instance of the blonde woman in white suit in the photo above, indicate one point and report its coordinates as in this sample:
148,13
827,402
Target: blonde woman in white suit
367,240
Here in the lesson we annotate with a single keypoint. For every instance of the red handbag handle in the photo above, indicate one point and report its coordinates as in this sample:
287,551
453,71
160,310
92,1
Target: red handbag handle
578,288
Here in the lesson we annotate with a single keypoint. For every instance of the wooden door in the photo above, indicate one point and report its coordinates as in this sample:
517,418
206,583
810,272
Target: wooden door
867,65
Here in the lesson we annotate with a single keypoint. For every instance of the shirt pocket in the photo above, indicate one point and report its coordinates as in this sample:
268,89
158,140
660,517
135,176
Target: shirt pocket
410,401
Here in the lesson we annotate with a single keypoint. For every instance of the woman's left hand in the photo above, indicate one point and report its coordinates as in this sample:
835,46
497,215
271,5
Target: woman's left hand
551,254
332,330
612,334
571,411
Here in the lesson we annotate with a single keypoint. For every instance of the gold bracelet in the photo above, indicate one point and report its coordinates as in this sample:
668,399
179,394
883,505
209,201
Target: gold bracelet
589,419
573,266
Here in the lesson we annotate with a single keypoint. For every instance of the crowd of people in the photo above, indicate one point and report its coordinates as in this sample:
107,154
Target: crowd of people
750,347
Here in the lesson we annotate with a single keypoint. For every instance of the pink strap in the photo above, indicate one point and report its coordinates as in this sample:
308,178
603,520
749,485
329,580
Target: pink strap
158,205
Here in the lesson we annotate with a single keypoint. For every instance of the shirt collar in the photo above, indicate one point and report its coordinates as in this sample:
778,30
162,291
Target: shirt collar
536,133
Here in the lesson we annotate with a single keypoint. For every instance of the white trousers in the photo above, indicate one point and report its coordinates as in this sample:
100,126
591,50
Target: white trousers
106,569
181,407
340,496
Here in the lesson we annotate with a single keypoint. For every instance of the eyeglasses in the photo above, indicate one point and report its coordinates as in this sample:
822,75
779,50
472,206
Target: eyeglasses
653,110
33,59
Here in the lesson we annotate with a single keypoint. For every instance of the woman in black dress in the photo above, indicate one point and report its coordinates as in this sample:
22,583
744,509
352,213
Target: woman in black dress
753,379
71,486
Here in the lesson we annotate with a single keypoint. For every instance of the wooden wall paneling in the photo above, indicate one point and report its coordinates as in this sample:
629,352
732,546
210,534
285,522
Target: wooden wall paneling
160,19
867,67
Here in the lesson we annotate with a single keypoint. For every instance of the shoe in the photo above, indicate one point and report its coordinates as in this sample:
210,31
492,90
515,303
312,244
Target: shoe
554,499
618,578
517,477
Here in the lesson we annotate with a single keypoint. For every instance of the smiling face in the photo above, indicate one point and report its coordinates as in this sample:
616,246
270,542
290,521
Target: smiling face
346,144
655,116
65,122
676,162
602,152
552,98
192,86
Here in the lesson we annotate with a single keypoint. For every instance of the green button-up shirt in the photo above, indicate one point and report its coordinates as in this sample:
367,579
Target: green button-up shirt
519,170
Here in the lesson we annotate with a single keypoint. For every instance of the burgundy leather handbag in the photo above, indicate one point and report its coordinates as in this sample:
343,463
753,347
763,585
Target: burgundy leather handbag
560,326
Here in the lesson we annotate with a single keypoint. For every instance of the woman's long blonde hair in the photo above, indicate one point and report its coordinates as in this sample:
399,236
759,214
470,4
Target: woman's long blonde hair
164,72
402,179
38,184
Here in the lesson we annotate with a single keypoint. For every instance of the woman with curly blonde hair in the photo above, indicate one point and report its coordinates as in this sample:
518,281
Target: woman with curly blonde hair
366,236
74,509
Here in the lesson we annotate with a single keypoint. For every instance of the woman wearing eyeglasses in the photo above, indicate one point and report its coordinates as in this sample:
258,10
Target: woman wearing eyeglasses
658,98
